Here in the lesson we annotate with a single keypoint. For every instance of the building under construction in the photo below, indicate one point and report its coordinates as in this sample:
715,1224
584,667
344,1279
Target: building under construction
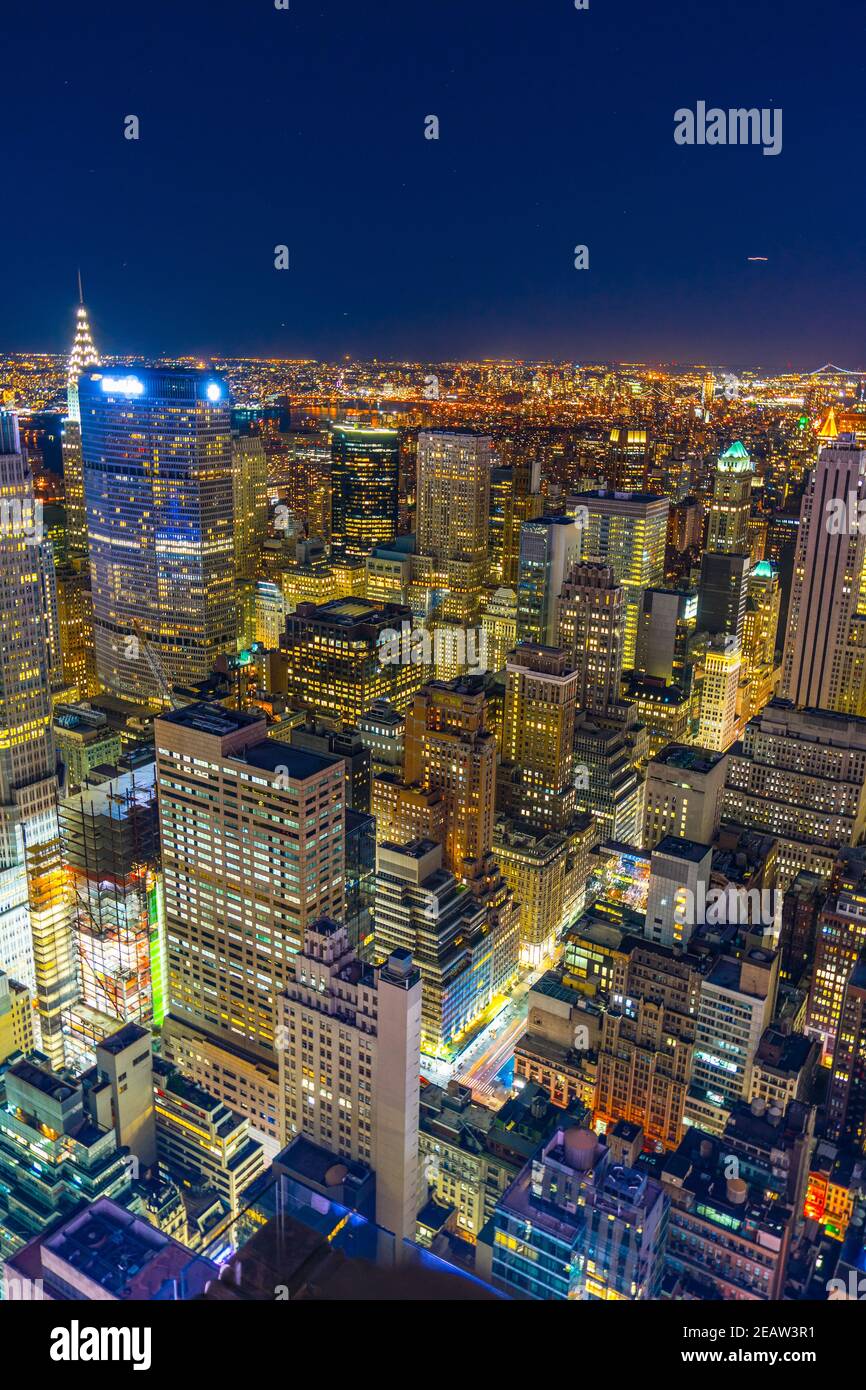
110,837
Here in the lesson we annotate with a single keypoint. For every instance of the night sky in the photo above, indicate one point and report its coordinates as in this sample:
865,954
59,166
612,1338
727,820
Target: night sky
261,127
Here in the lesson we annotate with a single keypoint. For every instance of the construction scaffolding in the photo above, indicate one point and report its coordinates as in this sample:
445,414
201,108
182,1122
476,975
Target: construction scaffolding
110,841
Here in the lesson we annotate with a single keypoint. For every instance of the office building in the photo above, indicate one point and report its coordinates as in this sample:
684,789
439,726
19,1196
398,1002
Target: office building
450,749
16,1018
591,630
158,487
678,882
666,623
731,502
549,546
729,1239
84,741
800,775
718,723
824,663
453,496
35,931
252,833
349,1053
760,632
110,841
514,499
537,776
627,530
682,794
575,1224
83,355
334,665
464,943
738,999
722,593
365,467
52,1155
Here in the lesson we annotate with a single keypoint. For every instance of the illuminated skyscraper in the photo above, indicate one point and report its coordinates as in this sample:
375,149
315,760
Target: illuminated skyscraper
365,466
83,355
514,498
253,848
453,495
537,779
628,530
35,930
450,749
549,546
731,502
760,628
592,630
825,645
158,484
718,722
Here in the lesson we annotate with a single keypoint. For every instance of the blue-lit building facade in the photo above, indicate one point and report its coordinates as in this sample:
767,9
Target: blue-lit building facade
157,449
575,1224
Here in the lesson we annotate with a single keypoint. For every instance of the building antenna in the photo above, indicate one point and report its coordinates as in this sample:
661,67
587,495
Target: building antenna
80,290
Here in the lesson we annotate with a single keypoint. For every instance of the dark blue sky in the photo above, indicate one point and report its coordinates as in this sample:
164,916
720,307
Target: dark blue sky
305,127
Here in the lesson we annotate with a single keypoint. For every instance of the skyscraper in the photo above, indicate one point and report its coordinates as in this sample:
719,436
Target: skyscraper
538,787
731,502
549,546
628,530
252,834
450,749
35,929
158,485
825,645
83,355
349,1062
365,466
453,495
591,629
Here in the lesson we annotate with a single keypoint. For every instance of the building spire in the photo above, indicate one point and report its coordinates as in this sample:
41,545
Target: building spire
83,355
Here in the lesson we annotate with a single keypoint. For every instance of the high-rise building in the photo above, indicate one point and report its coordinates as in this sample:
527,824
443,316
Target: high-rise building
349,1062
738,999
35,930
334,664
591,629
514,499
453,496
83,355
722,592
365,468
250,501
158,485
499,625
666,622
75,621
825,645
718,719
800,775
110,845
537,775
16,1018
846,1108
45,1132
646,1043
450,749
731,502
678,882
629,457
577,1224
628,530
840,939
549,546
682,794
466,952
760,628
252,833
